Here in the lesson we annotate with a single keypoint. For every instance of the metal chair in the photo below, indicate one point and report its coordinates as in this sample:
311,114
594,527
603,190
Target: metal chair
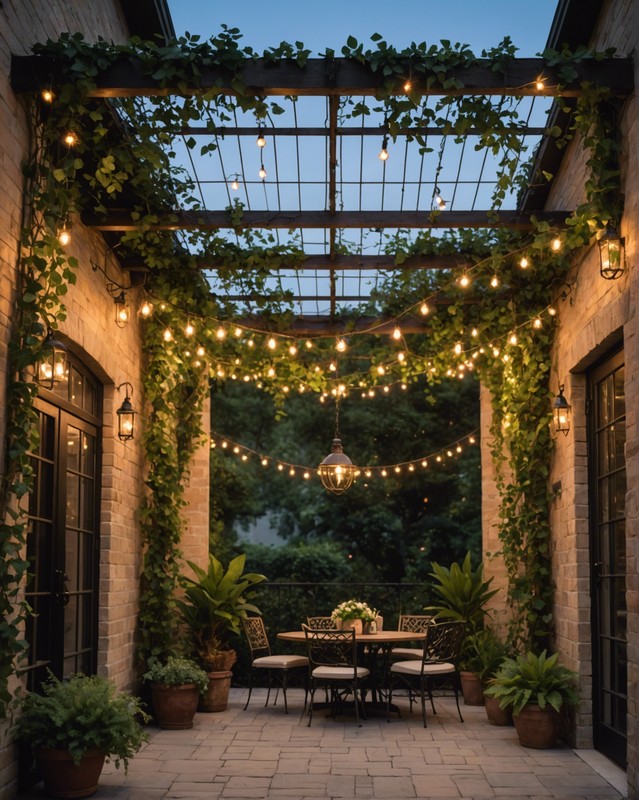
415,623
438,662
333,663
276,665
321,623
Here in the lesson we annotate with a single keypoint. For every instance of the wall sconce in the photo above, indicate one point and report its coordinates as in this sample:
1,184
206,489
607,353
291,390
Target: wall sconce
54,368
561,413
612,254
122,311
126,414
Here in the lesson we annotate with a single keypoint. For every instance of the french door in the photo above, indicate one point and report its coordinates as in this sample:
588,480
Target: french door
607,468
62,540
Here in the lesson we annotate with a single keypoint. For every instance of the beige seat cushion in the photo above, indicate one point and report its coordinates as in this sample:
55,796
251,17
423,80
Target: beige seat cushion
280,662
339,673
407,652
415,668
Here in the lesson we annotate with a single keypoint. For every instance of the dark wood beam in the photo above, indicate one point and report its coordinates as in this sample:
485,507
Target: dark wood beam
340,76
339,263
433,130
120,220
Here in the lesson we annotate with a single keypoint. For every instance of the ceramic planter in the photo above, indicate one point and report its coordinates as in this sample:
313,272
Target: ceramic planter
174,706
472,688
63,778
495,714
537,727
216,697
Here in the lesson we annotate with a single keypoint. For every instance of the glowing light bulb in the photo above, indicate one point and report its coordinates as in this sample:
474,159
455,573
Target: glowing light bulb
70,139
424,309
401,357
340,345
513,338
552,311
292,350
381,370
397,334
146,309
458,349
383,153
47,95
464,281
524,263
220,333
261,139
537,323
189,330
64,236
271,372
556,244
271,344
540,84
408,85
308,344
262,173
440,202
494,281
235,184
167,335
201,351
474,332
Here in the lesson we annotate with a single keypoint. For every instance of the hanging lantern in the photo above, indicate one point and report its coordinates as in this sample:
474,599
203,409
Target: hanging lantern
561,413
337,471
612,254
126,414
54,368
122,311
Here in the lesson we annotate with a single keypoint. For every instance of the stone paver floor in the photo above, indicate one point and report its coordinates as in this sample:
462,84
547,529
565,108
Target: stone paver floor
263,753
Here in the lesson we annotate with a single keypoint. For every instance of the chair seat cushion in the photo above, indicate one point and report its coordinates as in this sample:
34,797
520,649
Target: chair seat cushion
339,673
280,662
407,652
415,668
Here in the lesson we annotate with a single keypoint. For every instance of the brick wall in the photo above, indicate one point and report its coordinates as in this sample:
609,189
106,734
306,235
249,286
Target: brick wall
112,353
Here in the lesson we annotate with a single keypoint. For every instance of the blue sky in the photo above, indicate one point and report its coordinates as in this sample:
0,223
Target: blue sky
329,23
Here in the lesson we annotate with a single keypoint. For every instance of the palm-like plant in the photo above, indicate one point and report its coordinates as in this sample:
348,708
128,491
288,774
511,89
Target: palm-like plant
464,594
214,603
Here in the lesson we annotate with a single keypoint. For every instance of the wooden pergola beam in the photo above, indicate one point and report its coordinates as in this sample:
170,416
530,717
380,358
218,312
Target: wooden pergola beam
423,130
339,77
120,220
327,325
338,263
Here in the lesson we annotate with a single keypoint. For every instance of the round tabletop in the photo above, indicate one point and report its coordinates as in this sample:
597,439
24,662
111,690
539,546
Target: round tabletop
381,637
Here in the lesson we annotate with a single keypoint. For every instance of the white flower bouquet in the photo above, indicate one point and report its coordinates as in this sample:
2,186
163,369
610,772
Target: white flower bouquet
353,609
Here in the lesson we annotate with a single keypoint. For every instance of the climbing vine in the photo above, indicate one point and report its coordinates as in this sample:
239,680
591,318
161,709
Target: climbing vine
497,336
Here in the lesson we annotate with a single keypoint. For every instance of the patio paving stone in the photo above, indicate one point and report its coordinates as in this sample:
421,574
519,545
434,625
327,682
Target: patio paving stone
262,754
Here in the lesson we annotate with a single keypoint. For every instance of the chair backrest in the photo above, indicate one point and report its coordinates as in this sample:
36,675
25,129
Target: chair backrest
321,623
443,642
331,648
256,636
414,623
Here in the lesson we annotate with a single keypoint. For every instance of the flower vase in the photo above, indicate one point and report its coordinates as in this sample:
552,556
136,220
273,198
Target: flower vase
354,624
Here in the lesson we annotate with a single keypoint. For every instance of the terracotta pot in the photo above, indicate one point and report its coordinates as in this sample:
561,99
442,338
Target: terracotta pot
174,706
495,714
537,727
216,697
63,778
472,689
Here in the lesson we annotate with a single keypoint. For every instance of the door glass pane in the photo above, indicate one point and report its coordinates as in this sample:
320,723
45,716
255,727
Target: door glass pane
73,500
87,466
73,449
620,393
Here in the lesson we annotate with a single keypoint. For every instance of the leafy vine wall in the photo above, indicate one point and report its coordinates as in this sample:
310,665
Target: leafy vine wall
504,337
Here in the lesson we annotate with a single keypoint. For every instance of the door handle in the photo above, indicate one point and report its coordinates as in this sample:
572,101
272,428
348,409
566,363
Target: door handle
62,594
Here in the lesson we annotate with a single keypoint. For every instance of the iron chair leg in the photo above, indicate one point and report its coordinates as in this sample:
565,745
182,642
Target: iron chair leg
248,699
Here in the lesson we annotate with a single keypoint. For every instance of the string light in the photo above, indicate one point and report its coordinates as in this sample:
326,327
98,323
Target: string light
540,84
261,139
439,200
464,281
47,95
408,86
424,309
494,281
556,244
146,309
220,333
397,333
524,263
167,335
339,345
70,139
292,350
262,173
64,236
271,343
383,153
189,330
235,185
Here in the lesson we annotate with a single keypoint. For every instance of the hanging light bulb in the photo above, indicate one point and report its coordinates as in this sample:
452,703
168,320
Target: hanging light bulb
383,153
70,139
540,84
397,333
220,333
189,330
439,200
424,309
167,335
64,236
494,281
556,244
54,367
271,343
524,263
261,139
146,309
262,173
464,281
337,471
340,345
47,95
408,86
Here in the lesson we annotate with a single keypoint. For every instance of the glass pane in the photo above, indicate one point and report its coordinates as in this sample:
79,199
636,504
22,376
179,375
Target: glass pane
619,390
619,443
603,451
87,509
90,398
72,561
603,500
603,406
44,491
73,449
85,626
88,455
619,555
70,619
618,499
87,560
73,501
76,382
47,436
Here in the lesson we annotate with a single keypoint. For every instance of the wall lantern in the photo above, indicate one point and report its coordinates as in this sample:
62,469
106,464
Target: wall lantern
54,368
126,414
561,413
122,311
612,254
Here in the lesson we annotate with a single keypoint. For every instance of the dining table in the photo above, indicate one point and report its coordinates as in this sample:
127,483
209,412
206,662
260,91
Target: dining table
376,650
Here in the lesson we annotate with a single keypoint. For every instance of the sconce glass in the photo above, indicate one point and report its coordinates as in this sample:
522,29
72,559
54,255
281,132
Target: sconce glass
337,471
122,311
54,368
612,254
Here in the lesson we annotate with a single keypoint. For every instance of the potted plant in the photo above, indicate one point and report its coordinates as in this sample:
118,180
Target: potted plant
535,688
484,654
464,596
176,686
353,614
213,605
73,726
